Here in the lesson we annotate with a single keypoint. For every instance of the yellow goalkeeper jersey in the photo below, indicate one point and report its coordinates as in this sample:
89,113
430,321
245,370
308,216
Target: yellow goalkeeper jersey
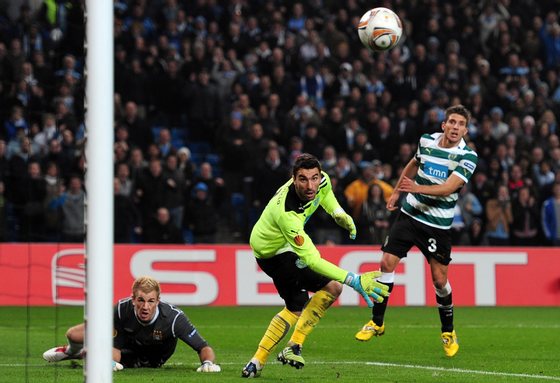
280,228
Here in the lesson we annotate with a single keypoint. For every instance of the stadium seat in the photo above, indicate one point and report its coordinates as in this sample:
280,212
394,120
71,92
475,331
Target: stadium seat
200,147
178,137
155,131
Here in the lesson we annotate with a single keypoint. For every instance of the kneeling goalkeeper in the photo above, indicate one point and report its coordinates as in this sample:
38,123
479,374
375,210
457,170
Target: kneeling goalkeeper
287,254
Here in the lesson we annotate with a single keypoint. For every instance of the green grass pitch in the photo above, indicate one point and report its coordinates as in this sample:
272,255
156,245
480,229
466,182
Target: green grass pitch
497,345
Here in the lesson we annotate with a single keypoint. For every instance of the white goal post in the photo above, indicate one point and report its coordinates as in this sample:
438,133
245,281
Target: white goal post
99,185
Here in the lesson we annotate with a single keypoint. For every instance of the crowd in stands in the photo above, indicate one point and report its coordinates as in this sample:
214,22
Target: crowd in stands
214,100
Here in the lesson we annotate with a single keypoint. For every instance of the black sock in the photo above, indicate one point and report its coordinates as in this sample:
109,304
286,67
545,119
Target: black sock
445,312
378,310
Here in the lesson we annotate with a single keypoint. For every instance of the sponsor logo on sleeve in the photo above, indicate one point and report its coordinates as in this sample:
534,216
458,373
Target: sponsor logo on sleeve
469,165
299,240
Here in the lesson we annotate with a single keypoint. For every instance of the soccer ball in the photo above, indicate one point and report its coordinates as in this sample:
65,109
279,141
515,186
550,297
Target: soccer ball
380,29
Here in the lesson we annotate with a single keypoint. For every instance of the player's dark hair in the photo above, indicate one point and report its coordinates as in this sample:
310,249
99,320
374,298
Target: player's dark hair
460,110
306,161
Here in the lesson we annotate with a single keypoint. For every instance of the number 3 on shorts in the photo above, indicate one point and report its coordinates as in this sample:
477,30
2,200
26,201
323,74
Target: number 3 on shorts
433,245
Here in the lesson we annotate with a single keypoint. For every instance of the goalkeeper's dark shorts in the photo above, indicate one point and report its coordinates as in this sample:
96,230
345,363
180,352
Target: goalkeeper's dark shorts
407,232
291,279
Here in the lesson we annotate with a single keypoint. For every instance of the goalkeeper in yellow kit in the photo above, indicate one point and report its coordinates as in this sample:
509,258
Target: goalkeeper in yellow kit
287,254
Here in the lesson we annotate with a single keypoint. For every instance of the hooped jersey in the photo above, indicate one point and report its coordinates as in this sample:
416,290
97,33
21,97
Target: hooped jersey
435,166
280,228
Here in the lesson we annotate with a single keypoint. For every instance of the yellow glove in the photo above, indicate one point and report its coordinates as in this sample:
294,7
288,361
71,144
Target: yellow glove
345,221
367,286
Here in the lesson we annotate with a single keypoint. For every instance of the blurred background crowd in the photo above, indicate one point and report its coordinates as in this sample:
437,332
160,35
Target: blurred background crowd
214,99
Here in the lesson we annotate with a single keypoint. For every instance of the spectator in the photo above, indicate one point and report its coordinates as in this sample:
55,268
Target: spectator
48,132
516,180
269,176
544,176
499,217
481,187
72,205
127,225
363,145
170,101
385,141
4,162
357,191
201,216
256,146
345,171
344,137
550,36
176,189
313,141
126,185
186,165
204,108
485,142
138,130
476,234
150,190
14,122
312,86
526,219
406,127
329,160
373,221
234,150
469,209
161,229
164,143
216,192
54,189
57,156
551,216
35,191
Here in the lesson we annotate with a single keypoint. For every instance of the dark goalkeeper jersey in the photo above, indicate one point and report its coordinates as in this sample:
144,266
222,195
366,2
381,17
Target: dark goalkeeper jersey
153,343
280,228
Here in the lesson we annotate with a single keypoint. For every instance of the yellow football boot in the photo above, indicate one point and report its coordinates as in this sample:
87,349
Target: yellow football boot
450,343
370,330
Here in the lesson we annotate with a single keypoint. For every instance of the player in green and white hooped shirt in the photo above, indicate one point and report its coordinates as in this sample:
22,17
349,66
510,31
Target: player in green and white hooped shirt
442,165
287,254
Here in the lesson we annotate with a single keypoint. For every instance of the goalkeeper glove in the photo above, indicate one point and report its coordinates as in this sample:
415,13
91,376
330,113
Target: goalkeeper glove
117,366
367,286
345,221
208,366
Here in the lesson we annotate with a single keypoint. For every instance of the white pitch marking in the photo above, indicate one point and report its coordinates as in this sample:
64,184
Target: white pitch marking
379,364
463,371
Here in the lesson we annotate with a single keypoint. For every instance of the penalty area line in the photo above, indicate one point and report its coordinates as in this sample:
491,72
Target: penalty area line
463,371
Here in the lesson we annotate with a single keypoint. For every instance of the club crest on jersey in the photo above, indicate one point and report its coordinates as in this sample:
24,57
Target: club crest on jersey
157,335
452,157
299,240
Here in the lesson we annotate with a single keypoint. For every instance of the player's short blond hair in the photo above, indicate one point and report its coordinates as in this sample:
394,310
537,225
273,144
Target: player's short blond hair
145,284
